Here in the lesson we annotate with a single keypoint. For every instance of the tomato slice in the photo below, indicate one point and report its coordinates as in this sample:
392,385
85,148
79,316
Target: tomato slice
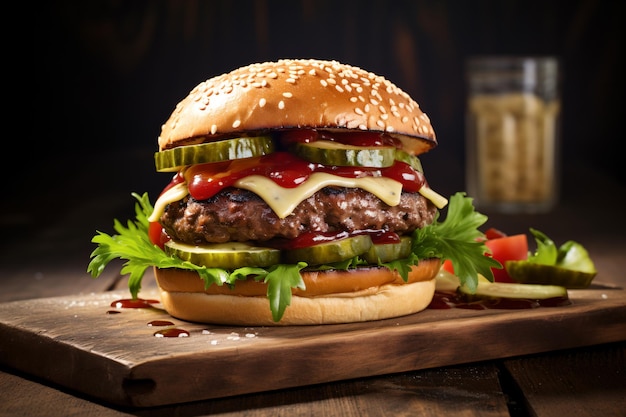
157,234
508,248
493,233
447,266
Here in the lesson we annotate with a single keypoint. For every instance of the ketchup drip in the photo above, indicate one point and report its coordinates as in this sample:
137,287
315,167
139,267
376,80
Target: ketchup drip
172,332
133,303
160,323
446,300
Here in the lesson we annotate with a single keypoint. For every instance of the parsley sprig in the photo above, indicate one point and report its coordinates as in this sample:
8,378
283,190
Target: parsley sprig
457,238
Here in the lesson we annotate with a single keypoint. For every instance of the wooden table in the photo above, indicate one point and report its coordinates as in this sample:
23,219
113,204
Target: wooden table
50,258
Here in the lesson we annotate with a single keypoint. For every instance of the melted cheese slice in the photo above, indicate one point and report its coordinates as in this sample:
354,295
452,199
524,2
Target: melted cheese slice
284,200
177,192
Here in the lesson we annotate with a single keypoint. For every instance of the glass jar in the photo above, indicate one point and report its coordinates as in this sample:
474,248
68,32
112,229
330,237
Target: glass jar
512,133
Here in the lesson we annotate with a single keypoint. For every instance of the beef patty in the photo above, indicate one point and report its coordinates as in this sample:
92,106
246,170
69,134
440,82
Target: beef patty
240,215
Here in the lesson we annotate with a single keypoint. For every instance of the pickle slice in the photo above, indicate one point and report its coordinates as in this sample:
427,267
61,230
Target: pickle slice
335,153
411,160
171,160
486,289
230,255
526,272
388,251
328,252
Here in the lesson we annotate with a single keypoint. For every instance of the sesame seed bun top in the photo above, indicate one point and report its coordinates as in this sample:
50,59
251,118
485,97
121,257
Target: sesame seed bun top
297,94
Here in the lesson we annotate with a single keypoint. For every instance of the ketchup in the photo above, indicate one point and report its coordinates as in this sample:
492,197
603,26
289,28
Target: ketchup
447,300
134,303
288,171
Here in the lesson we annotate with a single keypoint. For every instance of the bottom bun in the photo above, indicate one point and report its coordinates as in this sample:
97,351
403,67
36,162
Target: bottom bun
388,300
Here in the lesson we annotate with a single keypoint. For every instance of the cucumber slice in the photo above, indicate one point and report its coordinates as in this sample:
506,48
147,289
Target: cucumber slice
486,289
171,160
446,281
335,153
230,255
328,252
526,272
388,251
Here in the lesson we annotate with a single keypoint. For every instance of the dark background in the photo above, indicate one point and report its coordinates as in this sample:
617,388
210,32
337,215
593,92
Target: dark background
96,79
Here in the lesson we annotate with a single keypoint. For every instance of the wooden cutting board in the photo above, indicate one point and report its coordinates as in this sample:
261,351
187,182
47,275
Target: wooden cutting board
77,343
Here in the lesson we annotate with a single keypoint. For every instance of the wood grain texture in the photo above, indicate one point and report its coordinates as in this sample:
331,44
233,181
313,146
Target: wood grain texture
73,342
573,383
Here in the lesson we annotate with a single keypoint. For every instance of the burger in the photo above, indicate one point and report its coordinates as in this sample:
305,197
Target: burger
296,197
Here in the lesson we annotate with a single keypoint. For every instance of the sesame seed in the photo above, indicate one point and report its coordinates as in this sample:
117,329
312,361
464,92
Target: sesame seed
213,129
338,88
281,104
353,99
380,123
290,80
262,102
236,123
324,83
287,94
358,111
